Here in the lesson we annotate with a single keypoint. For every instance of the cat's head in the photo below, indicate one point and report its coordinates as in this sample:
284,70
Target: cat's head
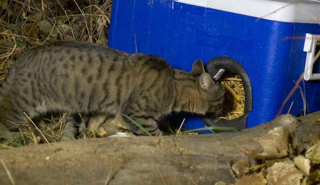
210,92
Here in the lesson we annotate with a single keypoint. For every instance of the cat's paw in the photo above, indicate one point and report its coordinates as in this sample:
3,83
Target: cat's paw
115,127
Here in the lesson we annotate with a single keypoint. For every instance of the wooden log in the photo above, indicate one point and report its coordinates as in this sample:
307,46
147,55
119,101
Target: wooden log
187,159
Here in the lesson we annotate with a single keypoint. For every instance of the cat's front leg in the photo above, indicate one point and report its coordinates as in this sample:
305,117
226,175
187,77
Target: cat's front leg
117,126
106,124
148,122
97,119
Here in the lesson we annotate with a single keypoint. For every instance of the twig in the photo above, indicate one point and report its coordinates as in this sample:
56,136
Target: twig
36,127
184,119
42,5
4,16
135,43
290,108
16,1
90,35
6,56
35,6
75,15
100,10
65,12
304,102
276,10
110,172
163,180
229,89
193,182
295,87
8,172
18,36
304,12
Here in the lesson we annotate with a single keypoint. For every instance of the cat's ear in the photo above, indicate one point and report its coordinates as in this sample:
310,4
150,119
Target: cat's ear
197,67
206,82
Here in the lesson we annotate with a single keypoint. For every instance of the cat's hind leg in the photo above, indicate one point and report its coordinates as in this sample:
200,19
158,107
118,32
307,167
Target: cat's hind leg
11,118
75,124
70,129
17,108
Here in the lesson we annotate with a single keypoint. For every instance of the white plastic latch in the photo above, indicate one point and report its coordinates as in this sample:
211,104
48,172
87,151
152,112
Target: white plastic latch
310,47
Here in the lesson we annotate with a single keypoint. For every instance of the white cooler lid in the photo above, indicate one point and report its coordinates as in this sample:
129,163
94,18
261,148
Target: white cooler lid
302,11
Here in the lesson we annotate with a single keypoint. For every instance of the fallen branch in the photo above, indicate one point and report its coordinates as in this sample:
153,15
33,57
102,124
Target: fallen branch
187,159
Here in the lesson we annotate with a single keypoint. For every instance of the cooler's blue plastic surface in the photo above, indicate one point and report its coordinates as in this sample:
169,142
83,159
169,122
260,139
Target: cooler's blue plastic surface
182,33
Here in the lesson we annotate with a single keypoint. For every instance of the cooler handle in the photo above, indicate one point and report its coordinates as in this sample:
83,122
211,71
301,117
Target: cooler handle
310,47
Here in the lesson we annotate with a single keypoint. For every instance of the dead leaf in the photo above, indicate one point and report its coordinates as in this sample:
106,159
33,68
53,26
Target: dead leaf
313,153
274,143
35,17
241,167
257,179
283,174
46,29
30,30
303,164
64,28
313,177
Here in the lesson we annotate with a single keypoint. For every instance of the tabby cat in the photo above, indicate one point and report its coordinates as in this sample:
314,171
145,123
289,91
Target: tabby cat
86,78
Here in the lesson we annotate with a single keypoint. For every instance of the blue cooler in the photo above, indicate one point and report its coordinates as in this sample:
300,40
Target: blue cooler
266,37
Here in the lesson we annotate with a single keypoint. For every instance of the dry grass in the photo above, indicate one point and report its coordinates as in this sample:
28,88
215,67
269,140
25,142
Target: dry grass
25,24
235,98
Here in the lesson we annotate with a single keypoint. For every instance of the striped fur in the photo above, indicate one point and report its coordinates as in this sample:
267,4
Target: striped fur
86,78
